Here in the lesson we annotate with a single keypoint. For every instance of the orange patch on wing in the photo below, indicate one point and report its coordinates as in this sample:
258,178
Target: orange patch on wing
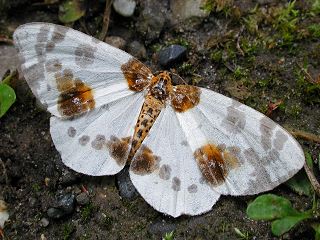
144,162
136,74
119,149
76,97
185,97
215,163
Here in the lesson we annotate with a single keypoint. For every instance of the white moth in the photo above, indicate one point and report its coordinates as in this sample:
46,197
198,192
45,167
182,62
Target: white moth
185,145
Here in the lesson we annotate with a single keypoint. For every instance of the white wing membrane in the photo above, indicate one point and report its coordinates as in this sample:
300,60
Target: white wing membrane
257,155
262,153
51,53
83,142
176,186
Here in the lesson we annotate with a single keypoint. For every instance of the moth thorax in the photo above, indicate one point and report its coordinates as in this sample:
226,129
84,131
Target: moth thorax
160,89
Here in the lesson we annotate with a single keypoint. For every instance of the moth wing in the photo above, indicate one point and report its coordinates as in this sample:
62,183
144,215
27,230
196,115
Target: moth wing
239,150
165,173
71,72
98,143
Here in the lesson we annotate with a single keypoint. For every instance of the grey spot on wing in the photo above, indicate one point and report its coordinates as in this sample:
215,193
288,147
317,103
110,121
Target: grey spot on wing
266,127
106,107
34,73
221,147
236,103
72,131
280,140
271,156
57,36
165,172
234,150
184,143
84,140
251,156
202,180
98,142
176,184
40,46
193,188
235,120
84,55
59,33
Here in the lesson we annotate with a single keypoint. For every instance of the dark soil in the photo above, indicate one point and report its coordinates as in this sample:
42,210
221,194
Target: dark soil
268,70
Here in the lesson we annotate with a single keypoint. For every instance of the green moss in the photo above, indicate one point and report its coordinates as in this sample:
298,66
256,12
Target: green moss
216,55
67,231
86,212
309,90
224,6
286,24
314,29
168,236
180,41
315,9
36,187
108,222
240,72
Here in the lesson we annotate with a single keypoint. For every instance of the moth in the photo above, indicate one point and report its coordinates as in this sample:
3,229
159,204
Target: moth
186,145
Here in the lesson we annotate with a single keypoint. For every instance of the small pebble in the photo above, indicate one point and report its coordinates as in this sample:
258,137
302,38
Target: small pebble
44,222
116,41
171,55
137,50
65,206
126,188
124,7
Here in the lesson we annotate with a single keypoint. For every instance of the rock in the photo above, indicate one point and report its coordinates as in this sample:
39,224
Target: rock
68,178
171,55
151,19
44,222
126,188
124,7
8,58
183,10
55,213
65,206
160,228
116,41
83,198
137,50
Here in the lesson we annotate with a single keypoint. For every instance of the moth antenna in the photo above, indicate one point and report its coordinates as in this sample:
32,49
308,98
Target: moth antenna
184,82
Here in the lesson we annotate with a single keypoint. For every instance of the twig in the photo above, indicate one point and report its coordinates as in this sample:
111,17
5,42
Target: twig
310,78
315,184
5,39
304,135
106,17
4,171
238,41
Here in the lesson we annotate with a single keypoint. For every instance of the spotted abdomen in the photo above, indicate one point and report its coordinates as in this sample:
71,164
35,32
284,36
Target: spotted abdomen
149,113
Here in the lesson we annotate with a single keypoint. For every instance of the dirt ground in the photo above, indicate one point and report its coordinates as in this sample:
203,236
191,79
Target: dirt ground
241,49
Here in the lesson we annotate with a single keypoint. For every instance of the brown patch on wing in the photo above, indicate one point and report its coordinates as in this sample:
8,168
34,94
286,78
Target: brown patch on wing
137,74
185,97
119,149
144,162
215,163
76,97
53,65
